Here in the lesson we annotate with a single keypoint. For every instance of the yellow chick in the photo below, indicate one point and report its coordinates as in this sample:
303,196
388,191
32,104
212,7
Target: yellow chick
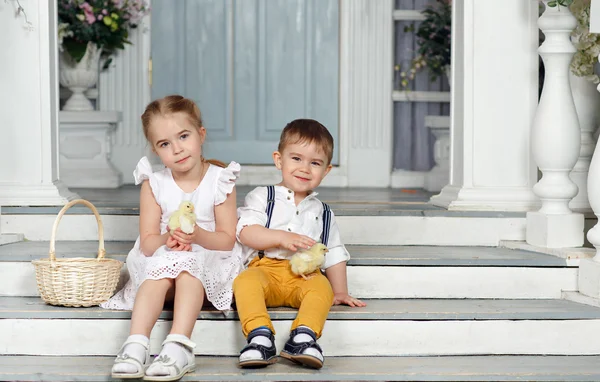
183,218
307,261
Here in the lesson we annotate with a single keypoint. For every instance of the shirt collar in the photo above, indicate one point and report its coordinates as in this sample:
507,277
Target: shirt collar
286,190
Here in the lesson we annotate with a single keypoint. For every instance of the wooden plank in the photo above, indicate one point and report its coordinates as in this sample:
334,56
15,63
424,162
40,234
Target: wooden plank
390,310
475,368
394,255
368,337
420,96
368,281
407,15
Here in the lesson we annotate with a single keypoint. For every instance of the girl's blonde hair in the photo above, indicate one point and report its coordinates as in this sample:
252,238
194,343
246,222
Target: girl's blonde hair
170,105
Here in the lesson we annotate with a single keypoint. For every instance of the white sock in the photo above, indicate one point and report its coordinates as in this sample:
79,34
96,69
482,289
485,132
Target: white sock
172,350
261,340
303,337
133,350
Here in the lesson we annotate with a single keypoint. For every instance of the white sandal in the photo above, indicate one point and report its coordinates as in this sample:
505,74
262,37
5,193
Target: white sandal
174,372
126,358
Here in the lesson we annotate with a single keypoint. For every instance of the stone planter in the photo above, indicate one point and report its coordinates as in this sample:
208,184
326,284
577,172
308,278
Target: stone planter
85,146
79,77
439,175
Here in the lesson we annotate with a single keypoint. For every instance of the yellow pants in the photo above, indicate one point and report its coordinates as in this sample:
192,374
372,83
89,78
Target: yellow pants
271,283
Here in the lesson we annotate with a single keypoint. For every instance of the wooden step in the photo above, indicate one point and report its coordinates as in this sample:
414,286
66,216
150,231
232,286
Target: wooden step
380,216
403,229
373,272
476,368
383,328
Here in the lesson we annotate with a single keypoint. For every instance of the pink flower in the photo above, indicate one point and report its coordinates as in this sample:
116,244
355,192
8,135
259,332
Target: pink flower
86,7
89,17
104,12
100,17
88,11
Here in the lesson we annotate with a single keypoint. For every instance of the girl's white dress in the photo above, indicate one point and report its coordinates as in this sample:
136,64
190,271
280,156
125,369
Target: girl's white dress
215,269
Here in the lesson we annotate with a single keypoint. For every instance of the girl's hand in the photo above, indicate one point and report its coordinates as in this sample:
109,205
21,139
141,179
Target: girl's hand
294,242
179,241
182,237
346,299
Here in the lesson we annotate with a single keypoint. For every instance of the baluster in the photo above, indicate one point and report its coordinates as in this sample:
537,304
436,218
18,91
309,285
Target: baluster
556,138
587,104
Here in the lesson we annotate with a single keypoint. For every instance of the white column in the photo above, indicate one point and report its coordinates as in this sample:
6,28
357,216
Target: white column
125,87
493,101
29,117
366,76
556,138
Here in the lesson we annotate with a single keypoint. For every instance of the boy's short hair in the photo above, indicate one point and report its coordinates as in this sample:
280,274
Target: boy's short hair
309,131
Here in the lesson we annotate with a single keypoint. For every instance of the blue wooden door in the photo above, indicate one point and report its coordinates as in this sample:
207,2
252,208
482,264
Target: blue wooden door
251,65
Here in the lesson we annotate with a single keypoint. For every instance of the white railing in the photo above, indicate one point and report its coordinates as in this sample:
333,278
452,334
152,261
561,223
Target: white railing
556,138
593,181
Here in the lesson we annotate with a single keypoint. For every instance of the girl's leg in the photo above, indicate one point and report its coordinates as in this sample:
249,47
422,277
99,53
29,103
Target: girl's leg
149,302
148,305
189,298
176,357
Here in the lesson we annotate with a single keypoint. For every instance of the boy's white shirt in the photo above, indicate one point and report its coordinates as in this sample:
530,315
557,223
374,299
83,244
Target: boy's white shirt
304,219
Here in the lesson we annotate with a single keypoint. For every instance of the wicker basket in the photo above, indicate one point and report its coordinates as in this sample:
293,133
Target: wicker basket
77,281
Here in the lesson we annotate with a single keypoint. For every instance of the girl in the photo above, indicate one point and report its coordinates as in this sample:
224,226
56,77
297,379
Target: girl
178,266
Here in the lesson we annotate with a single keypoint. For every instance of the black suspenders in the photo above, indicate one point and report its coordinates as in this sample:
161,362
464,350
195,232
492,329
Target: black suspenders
271,205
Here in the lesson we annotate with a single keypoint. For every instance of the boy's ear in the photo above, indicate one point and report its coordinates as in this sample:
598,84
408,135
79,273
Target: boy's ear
277,159
329,167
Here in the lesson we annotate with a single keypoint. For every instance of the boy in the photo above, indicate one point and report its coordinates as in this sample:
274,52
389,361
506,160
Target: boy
274,223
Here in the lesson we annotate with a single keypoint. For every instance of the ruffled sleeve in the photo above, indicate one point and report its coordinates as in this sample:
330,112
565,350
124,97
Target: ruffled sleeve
226,182
143,171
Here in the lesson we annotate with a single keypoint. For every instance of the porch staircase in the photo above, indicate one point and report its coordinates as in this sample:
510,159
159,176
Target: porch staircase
459,312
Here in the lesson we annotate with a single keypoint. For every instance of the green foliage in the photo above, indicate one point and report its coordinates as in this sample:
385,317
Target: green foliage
103,22
564,3
433,37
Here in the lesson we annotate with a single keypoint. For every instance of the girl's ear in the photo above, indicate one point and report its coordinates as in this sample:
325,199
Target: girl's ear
202,132
277,159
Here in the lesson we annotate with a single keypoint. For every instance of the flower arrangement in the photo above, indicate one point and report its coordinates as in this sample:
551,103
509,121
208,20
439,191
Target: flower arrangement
433,38
586,43
564,3
103,22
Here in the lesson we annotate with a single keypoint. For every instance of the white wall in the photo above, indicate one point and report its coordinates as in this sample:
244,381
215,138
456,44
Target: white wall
28,105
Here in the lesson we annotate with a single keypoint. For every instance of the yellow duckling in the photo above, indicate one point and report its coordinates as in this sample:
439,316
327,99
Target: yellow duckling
183,218
307,261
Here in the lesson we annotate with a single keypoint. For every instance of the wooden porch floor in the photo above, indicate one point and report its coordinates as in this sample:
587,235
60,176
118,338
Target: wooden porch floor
344,201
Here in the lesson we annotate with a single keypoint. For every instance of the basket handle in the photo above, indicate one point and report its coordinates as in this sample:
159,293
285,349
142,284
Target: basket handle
101,251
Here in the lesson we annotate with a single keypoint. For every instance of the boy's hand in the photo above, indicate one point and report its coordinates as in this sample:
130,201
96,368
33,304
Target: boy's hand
293,241
346,299
179,241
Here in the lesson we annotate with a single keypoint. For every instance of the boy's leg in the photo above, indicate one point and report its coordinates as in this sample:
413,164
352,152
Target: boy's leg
134,353
254,290
251,289
313,297
176,357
